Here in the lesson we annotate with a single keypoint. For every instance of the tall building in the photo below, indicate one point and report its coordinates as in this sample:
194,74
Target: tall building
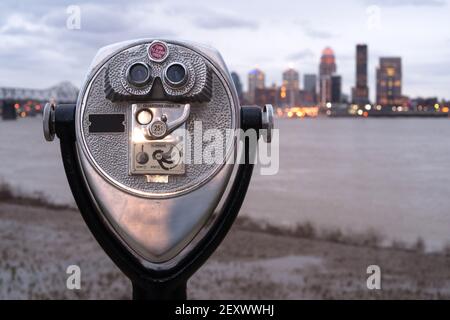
291,84
336,89
324,89
389,82
267,95
256,80
291,79
327,68
360,93
310,83
308,96
327,62
237,84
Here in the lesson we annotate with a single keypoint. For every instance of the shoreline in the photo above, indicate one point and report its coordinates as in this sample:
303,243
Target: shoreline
304,230
37,244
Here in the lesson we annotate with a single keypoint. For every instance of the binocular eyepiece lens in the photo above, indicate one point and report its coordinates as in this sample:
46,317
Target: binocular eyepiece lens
176,74
138,74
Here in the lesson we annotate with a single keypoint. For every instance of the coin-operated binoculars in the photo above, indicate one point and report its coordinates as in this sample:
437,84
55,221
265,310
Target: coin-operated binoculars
133,158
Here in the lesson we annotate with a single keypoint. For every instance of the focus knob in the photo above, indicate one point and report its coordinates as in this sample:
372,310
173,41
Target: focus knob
49,121
142,158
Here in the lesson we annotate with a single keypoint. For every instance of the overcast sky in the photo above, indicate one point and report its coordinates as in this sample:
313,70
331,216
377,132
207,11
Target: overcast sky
37,49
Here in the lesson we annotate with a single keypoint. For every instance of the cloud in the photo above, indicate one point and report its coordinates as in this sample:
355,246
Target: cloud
301,55
427,70
400,3
314,32
319,34
206,18
223,22
17,24
94,19
40,40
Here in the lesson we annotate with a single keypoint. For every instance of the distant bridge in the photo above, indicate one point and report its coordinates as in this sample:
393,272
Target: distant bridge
28,102
64,92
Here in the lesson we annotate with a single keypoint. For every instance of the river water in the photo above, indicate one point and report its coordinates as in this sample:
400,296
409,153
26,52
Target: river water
390,175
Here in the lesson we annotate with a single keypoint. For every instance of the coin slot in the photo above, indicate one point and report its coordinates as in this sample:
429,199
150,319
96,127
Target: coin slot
144,116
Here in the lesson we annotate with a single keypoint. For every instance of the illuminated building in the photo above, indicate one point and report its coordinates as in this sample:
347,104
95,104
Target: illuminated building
310,86
307,98
256,80
291,79
327,68
424,104
291,84
267,96
360,93
282,97
324,90
389,82
327,62
336,88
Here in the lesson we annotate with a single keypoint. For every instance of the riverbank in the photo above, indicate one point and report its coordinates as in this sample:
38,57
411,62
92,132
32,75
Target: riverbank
37,243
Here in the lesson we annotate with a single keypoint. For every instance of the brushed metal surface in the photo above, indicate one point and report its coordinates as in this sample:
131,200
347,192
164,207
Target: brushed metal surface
159,223
220,113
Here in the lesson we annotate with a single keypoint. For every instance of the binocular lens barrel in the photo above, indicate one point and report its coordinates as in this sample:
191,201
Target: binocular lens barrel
138,74
176,74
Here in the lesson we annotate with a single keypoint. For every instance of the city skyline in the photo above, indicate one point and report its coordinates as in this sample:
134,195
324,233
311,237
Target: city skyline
291,92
